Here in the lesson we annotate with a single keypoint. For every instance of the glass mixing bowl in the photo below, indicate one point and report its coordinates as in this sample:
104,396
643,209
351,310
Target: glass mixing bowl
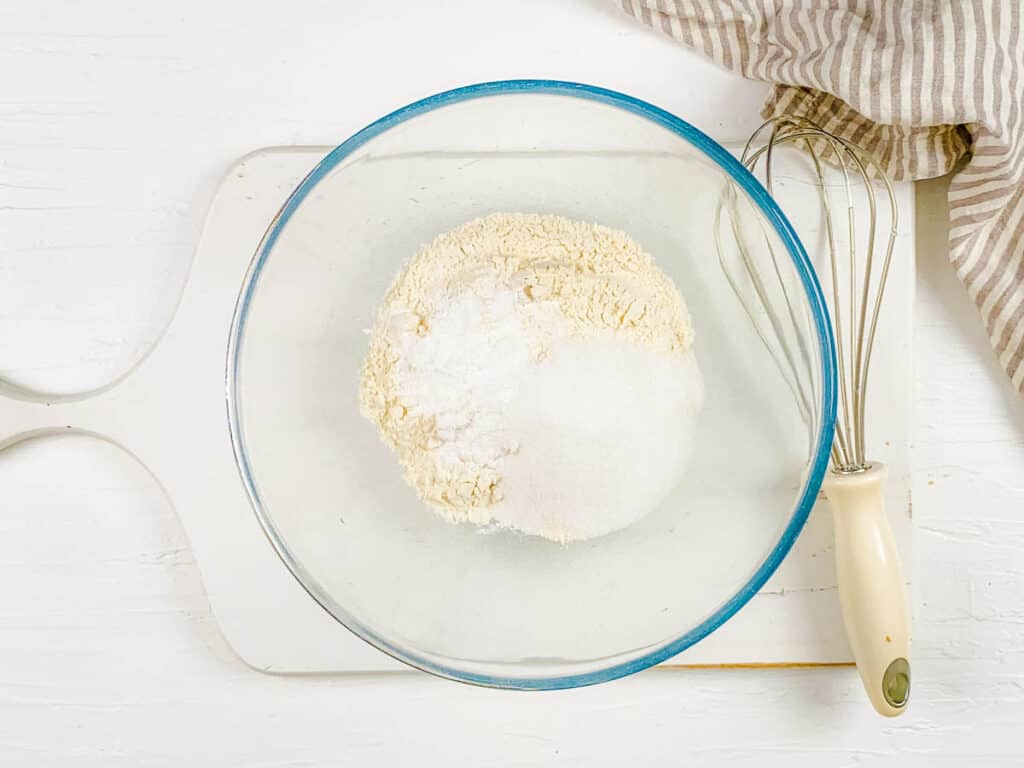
499,608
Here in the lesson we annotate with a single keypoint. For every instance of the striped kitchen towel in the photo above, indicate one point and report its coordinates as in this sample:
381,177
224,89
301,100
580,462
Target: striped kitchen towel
921,85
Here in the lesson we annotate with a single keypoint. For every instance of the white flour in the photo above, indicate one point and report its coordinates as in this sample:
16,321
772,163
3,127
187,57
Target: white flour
536,373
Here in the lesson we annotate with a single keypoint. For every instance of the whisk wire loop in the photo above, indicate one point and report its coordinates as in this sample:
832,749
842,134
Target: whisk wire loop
773,314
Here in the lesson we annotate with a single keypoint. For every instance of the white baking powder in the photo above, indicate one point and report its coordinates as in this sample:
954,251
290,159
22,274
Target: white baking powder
535,373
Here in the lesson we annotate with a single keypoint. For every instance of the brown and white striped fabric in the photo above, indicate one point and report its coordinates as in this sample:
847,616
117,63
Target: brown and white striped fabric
922,84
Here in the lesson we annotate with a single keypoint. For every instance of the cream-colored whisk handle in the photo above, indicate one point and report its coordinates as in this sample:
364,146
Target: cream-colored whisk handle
871,586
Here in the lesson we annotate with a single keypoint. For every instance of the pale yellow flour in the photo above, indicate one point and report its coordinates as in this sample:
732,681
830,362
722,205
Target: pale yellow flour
504,288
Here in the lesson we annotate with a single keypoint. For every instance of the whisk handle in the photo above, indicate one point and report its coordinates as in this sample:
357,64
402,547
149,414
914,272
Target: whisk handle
872,591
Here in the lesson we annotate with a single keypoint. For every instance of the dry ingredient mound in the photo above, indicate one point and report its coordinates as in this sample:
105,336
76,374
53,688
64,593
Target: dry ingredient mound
536,373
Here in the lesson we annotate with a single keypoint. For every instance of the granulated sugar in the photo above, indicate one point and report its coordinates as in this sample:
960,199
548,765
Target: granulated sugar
605,428
536,373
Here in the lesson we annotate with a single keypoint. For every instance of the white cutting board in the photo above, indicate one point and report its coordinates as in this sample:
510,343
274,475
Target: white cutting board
170,413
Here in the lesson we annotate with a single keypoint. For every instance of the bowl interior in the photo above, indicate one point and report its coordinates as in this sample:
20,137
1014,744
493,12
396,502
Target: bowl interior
498,607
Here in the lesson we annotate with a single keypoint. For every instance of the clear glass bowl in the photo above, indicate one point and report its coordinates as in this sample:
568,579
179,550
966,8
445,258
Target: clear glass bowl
500,608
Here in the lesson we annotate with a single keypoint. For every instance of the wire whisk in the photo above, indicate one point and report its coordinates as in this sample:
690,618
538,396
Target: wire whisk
868,569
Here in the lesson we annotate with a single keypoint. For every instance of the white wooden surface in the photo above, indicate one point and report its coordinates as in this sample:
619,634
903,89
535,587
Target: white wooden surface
116,119
795,618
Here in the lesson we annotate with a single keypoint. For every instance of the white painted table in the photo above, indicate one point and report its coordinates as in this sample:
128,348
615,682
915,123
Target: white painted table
116,120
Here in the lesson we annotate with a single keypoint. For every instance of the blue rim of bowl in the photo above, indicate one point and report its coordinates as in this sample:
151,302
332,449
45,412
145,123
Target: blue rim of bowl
725,160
